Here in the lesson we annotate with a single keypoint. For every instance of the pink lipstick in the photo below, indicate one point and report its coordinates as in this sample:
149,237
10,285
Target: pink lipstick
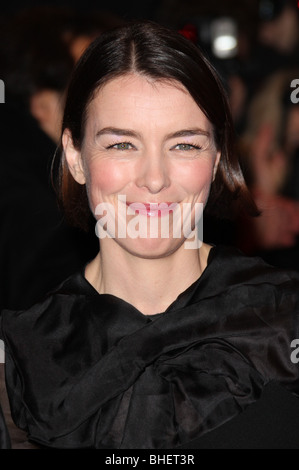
152,209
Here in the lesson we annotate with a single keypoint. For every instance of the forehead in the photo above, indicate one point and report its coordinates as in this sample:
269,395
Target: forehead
134,98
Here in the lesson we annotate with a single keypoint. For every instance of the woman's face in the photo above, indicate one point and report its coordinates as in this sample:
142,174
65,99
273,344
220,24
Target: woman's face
146,143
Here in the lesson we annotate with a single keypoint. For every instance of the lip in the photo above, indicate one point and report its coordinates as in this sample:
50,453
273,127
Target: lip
152,209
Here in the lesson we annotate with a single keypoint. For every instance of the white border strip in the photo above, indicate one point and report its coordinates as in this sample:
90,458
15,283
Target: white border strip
2,355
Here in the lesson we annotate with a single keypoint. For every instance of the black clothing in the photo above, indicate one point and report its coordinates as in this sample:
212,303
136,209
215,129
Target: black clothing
272,422
86,370
5,442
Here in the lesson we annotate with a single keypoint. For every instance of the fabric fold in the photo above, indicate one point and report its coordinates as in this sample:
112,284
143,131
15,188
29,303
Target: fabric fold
89,370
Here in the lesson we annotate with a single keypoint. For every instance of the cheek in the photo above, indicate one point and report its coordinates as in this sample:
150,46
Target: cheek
104,179
197,176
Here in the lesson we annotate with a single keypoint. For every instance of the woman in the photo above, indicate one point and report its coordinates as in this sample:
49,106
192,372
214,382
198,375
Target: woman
155,343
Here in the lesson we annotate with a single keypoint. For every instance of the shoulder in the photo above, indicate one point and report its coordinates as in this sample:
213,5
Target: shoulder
240,280
243,269
60,302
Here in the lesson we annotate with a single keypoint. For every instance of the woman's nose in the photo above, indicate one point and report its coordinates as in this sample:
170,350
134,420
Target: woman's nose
153,174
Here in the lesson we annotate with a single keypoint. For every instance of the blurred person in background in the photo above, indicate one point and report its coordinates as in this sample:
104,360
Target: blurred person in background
279,27
269,148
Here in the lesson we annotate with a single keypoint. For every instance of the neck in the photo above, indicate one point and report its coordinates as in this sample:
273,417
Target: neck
150,285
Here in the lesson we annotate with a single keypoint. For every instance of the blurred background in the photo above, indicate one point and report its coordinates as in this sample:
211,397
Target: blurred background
254,45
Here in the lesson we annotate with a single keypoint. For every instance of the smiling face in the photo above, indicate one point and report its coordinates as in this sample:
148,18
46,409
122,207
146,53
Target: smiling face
146,142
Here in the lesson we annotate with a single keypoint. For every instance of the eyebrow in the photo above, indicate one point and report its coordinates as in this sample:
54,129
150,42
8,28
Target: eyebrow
188,132
117,131
130,133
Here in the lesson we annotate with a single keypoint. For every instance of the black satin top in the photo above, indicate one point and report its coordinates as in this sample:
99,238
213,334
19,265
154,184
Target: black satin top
86,370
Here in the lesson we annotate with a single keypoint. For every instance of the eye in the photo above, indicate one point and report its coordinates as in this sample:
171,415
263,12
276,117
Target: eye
186,147
121,146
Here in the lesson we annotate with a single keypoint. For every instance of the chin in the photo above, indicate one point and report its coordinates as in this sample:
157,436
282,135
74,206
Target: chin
151,248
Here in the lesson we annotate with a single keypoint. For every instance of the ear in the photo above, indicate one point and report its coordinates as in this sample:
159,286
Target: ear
73,157
217,160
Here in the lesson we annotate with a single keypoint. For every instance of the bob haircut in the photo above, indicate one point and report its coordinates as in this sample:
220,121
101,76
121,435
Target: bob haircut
153,51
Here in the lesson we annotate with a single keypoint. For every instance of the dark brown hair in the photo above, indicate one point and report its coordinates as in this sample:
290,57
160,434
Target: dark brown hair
159,53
